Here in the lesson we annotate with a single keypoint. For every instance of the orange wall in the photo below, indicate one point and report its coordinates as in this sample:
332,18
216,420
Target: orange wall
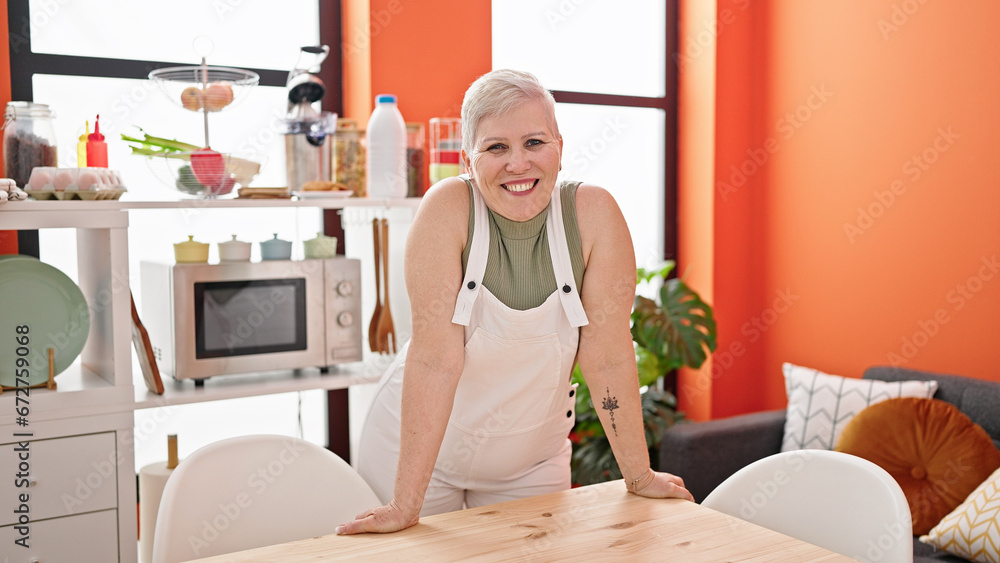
695,171
863,226
427,56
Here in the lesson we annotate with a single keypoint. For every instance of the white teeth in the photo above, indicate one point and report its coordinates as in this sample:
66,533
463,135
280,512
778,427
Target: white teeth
524,186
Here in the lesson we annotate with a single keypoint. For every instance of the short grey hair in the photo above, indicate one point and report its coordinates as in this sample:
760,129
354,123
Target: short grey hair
496,93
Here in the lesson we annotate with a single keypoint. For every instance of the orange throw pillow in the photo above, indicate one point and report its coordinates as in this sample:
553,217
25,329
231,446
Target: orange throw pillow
934,451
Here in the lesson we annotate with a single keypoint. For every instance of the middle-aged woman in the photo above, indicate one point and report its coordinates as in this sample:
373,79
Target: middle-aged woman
512,279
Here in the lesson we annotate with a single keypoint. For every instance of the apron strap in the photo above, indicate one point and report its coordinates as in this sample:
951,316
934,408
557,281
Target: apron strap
562,266
476,267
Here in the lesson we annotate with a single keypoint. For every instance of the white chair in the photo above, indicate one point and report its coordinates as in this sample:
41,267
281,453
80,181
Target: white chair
831,499
253,491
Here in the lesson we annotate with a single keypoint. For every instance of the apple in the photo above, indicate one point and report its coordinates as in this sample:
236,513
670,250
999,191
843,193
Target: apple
191,98
217,96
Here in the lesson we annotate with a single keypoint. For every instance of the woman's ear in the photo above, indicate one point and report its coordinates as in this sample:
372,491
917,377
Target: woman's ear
465,160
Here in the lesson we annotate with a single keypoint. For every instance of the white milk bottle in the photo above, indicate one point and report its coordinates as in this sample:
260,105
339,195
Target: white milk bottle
386,139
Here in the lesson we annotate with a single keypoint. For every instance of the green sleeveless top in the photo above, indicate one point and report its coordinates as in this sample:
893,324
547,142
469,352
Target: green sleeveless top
519,268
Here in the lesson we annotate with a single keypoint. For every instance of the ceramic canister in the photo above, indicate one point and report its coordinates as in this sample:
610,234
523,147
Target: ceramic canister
191,251
234,251
320,247
276,249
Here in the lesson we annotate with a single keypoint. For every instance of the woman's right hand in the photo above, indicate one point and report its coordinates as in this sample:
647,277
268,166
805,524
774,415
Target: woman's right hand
384,519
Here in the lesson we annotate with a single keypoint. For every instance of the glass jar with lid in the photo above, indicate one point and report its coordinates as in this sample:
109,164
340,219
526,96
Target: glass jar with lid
348,158
29,140
415,160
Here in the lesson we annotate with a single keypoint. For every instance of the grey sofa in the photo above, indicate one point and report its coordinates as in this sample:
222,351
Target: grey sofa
705,453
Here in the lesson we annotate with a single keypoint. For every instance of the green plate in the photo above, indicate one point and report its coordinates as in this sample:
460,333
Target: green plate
42,303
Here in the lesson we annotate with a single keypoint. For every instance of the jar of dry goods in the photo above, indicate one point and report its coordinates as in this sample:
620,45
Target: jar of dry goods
29,140
348,159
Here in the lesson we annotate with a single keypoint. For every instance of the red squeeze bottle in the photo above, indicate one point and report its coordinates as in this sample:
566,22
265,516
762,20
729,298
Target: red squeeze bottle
97,149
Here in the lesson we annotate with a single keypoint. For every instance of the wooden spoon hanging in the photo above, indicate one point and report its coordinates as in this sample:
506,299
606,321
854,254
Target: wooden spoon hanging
386,332
373,337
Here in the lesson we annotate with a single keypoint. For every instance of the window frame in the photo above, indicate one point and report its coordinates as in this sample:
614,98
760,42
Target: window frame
667,103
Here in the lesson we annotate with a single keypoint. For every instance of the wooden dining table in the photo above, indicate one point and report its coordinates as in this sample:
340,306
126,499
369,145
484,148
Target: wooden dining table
600,522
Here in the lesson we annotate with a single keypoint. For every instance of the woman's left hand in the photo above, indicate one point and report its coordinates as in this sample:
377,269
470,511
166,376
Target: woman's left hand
662,485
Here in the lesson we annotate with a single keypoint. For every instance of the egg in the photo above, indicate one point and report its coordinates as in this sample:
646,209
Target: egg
63,180
39,179
87,181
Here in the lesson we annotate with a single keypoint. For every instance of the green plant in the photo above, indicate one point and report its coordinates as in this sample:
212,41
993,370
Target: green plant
675,330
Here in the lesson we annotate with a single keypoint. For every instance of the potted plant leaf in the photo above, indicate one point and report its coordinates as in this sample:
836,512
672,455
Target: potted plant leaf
676,329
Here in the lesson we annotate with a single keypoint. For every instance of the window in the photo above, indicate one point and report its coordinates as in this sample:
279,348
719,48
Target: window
90,58
615,89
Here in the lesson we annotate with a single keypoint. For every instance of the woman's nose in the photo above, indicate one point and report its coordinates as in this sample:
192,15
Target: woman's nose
518,160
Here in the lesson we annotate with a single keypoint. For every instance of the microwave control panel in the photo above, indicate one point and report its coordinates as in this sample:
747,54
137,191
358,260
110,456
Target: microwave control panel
343,310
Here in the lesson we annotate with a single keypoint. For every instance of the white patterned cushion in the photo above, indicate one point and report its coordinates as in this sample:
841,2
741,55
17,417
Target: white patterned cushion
820,405
972,530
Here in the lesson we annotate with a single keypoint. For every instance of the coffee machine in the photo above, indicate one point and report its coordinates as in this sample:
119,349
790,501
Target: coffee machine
306,127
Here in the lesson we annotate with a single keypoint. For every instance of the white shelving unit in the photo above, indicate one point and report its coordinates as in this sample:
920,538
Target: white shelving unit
85,510
82,474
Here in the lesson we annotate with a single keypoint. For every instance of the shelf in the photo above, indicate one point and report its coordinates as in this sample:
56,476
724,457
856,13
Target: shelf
223,387
80,392
125,204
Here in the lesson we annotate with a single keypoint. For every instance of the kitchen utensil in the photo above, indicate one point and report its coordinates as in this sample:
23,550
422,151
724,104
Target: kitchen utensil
203,88
144,350
234,251
320,247
307,130
373,341
276,249
308,145
152,481
42,309
386,332
303,84
191,251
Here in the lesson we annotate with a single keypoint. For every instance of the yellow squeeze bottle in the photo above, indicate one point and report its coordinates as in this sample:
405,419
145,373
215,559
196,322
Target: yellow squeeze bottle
81,147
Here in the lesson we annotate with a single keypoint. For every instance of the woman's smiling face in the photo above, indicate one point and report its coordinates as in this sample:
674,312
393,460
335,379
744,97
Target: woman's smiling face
515,160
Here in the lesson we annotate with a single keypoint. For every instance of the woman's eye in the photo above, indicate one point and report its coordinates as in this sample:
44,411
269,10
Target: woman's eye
496,147
533,142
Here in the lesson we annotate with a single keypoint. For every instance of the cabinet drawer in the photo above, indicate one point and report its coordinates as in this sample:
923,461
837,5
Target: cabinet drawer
86,538
66,476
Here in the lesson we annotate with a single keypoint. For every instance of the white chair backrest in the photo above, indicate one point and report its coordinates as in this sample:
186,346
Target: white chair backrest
831,499
253,491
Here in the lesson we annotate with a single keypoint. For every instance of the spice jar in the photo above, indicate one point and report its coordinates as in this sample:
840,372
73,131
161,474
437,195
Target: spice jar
29,140
348,159
415,160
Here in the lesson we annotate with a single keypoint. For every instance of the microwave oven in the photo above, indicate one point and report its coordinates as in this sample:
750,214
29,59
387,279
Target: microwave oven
205,320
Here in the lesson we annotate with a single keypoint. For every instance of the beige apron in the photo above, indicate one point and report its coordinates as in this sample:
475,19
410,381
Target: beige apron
514,405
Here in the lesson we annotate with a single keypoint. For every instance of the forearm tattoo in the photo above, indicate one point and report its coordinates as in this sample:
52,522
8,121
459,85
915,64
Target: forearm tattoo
610,404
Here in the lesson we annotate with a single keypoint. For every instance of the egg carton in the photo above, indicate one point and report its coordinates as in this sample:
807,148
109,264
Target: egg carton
88,183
